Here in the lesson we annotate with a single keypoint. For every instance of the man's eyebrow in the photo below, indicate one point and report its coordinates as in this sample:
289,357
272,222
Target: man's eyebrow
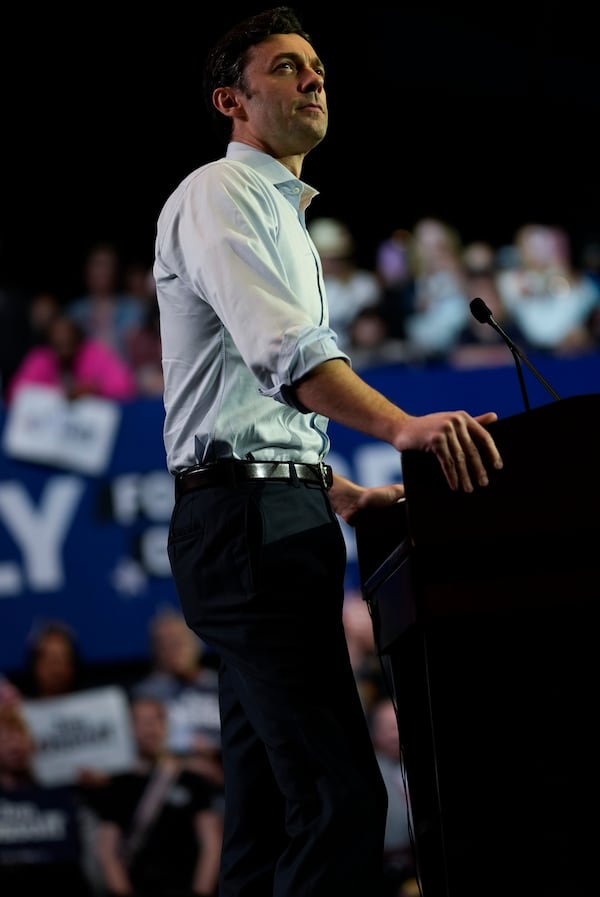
315,62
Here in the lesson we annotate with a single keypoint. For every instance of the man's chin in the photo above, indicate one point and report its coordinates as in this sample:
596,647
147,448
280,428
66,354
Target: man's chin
314,136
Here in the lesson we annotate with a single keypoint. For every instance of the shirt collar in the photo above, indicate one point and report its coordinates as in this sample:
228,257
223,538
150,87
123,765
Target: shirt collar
295,190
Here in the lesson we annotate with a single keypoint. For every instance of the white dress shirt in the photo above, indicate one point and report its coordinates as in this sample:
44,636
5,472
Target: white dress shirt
243,313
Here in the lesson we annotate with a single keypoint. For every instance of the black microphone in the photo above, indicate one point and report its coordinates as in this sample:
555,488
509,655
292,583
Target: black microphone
483,314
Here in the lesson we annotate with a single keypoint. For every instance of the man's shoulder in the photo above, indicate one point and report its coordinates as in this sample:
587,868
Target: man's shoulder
209,179
216,169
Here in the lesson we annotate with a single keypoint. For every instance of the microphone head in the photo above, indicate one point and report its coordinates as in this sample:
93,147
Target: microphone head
480,311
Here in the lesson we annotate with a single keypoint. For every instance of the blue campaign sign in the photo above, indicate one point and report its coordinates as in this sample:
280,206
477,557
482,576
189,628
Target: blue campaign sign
90,548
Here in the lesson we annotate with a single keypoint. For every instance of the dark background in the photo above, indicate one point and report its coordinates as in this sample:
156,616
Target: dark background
485,115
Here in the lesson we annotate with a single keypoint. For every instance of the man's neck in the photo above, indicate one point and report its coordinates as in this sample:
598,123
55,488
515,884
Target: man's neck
293,163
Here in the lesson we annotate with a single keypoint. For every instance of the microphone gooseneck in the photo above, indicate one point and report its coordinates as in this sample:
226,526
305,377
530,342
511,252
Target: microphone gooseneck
482,313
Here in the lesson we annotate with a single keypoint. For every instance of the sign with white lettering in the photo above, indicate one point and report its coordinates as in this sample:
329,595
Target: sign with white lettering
39,826
90,729
44,426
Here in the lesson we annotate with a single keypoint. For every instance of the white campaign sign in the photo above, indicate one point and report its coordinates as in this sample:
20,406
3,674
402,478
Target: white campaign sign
44,427
90,729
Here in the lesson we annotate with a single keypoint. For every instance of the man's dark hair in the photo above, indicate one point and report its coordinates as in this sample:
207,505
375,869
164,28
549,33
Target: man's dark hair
226,62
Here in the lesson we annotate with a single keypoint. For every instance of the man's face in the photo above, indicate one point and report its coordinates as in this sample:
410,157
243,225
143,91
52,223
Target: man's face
283,104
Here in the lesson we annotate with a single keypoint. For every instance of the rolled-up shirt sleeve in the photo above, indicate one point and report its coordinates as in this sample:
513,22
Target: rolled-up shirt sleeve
300,353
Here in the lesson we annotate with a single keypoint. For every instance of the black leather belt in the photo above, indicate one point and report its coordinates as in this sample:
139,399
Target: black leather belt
233,472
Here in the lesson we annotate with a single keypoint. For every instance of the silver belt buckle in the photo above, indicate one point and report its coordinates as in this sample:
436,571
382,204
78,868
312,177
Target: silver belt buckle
324,478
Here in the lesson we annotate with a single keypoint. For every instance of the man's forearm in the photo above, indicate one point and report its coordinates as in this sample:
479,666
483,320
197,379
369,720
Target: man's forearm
336,391
461,443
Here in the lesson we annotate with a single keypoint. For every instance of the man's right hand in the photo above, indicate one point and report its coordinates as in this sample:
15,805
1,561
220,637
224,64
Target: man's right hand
460,442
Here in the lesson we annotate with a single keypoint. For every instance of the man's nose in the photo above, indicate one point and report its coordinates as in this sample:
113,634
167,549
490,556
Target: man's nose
312,81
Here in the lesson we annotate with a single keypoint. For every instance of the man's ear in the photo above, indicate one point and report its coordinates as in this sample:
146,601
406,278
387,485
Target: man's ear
225,99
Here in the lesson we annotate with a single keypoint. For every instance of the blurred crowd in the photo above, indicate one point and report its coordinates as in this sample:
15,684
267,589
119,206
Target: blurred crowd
103,342
150,825
409,306
413,305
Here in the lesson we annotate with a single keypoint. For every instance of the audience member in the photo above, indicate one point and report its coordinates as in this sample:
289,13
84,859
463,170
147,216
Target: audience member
349,287
41,827
371,340
143,352
392,259
105,311
14,329
394,266
24,328
368,335
364,658
74,364
55,668
400,864
139,281
9,693
590,267
477,344
159,825
187,685
142,343
551,301
589,260
42,308
53,663
439,308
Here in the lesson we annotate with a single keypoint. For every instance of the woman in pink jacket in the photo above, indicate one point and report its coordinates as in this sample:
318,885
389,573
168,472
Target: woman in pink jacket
75,364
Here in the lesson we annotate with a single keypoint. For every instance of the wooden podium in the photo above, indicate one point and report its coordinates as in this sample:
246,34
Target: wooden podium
486,610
